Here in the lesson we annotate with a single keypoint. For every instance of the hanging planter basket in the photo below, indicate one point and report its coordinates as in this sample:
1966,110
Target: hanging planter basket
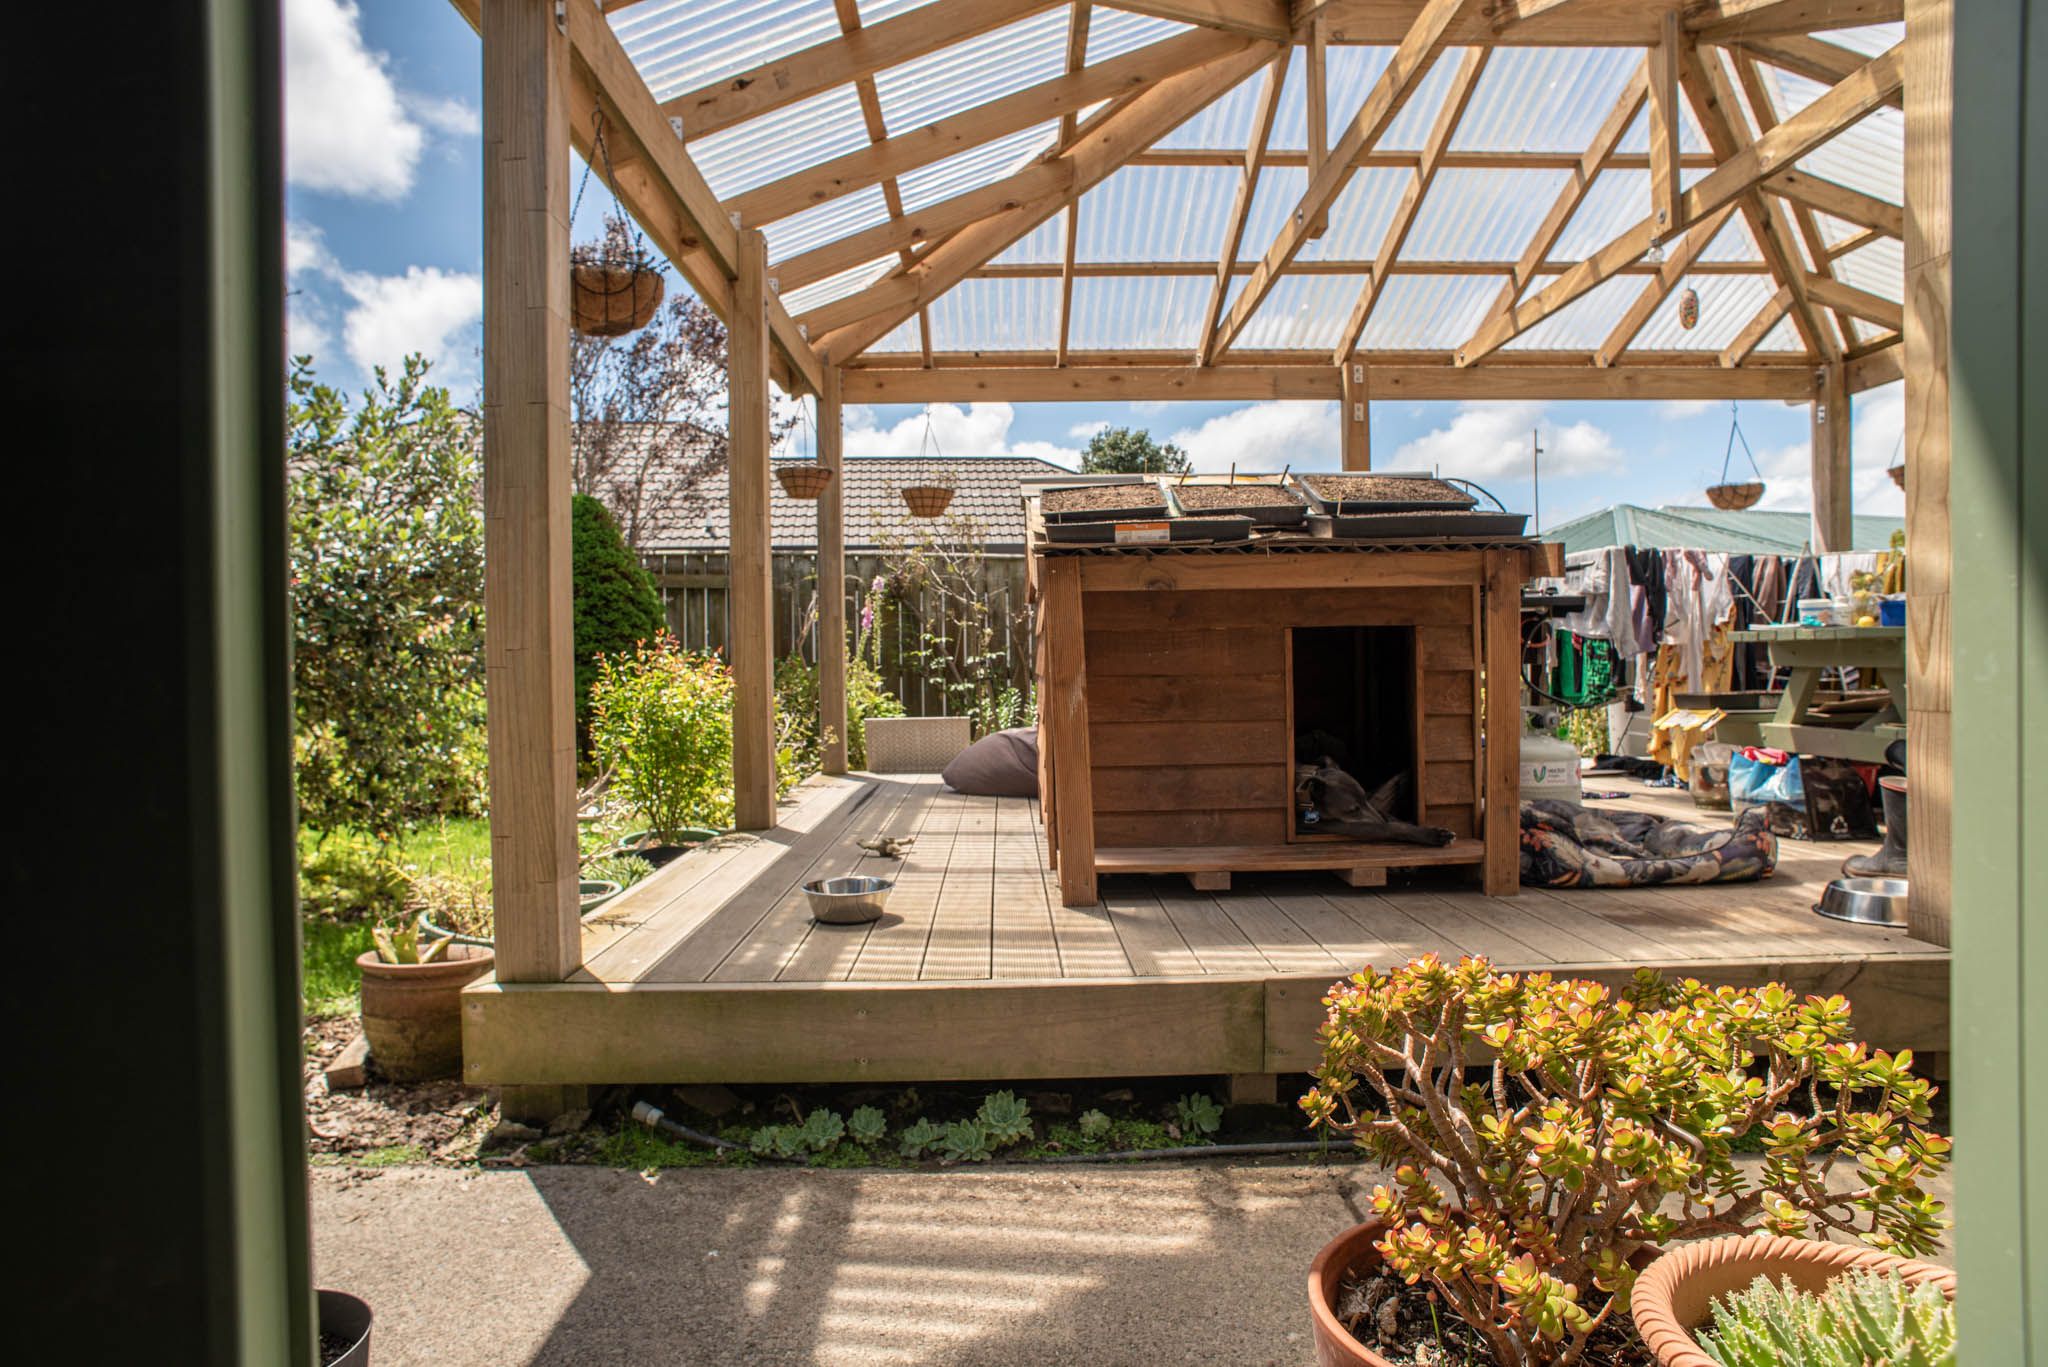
610,299
1898,474
803,479
926,500
1734,497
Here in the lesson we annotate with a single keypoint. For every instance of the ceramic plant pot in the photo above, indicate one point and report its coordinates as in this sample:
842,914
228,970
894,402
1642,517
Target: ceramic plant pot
1675,1295
1349,1251
412,1013
346,1319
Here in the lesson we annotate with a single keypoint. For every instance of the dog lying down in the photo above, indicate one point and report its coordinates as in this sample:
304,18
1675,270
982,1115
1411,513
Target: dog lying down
1347,809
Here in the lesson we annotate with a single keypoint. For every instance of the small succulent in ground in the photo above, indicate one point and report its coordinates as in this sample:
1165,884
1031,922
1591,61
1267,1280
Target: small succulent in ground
867,1125
965,1141
1093,1124
776,1141
623,869
1604,1122
913,1142
1004,1118
1198,1114
821,1130
1863,1318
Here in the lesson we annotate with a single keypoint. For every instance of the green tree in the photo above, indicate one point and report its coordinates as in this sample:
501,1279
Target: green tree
617,605
1131,451
387,567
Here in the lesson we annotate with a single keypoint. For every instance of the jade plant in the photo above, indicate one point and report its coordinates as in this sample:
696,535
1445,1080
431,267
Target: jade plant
1862,1318
1545,1131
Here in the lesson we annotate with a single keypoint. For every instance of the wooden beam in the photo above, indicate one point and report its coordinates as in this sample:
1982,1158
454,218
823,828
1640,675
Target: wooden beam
1501,817
1241,204
907,151
1885,365
1147,117
1662,66
1677,263
1263,19
1763,108
1875,308
1833,494
1799,135
839,61
1134,383
1756,329
749,600
1316,90
1440,133
1078,24
1736,20
832,716
1398,159
1839,201
1356,418
527,592
1597,23
1814,58
1330,265
1063,729
1403,72
1598,154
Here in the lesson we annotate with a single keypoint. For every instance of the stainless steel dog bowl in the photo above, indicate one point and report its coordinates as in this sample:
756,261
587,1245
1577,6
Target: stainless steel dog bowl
1866,901
848,901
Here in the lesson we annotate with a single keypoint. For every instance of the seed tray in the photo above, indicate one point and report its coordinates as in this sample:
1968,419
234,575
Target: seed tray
1149,531
1449,499
1288,514
1421,523
1153,507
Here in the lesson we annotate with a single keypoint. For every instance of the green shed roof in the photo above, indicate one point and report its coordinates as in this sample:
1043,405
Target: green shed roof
1751,531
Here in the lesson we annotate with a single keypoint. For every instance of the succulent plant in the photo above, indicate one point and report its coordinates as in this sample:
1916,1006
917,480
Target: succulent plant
408,943
623,869
1198,1114
867,1125
1004,1118
821,1130
913,1142
965,1141
1093,1124
1863,1319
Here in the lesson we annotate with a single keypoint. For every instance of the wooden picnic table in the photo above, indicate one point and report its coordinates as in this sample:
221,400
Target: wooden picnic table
1807,651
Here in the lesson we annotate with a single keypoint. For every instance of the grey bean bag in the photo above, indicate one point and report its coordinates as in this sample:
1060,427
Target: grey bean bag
1001,764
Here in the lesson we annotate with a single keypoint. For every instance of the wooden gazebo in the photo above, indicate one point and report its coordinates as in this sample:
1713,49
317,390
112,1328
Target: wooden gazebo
1030,200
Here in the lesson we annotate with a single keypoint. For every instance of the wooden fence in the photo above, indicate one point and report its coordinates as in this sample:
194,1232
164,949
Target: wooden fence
693,588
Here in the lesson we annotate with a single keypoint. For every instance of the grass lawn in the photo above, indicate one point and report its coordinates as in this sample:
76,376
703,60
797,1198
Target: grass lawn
331,980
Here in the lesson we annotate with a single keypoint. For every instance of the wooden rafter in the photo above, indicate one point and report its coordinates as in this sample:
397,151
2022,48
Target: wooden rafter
1764,110
1315,80
1678,260
1739,19
1661,68
1100,270
1440,133
1597,23
1398,159
1756,329
1078,24
1811,127
1241,203
1403,72
1839,201
1099,150
1814,58
1846,298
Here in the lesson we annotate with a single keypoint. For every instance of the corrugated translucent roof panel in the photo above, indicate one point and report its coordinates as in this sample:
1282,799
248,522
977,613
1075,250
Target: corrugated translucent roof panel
1156,213
1044,245
1879,266
1280,189
1727,303
1833,230
781,143
1410,128
1869,39
1471,214
1733,243
1869,156
998,63
837,286
1637,139
828,222
1616,202
1302,311
1138,312
1349,73
996,315
1783,337
1539,99
1430,312
1113,32
1224,124
975,167
1360,216
1583,324
903,337
682,45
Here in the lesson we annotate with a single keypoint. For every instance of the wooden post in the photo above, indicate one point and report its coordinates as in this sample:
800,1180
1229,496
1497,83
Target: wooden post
1356,419
1930,61
529,661
1063,703
750,596
1502,819
832,580
1665,119
1833,506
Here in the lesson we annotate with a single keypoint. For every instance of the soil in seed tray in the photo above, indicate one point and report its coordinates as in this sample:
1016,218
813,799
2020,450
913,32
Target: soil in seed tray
1399,1322
1102,498
1234,496
1384,488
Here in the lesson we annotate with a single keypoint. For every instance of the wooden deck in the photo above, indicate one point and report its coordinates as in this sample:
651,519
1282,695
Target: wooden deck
712,970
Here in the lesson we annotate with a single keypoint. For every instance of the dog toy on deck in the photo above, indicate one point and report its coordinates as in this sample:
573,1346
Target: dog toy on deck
888,846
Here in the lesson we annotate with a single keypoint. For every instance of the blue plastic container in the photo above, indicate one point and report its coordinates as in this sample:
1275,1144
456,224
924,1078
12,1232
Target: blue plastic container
1891,612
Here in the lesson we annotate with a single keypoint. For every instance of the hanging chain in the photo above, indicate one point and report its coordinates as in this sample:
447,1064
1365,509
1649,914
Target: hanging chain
611,180
1735,435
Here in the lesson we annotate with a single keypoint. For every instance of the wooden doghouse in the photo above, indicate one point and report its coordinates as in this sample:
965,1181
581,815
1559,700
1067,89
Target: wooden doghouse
1177,688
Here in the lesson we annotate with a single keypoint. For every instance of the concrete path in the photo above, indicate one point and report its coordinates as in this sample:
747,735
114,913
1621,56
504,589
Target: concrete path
1195,1263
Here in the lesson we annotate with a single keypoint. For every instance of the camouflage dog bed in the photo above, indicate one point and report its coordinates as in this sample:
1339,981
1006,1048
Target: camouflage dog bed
1572,847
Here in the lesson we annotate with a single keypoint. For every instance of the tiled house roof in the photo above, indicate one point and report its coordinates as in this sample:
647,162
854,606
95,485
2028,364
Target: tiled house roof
985,488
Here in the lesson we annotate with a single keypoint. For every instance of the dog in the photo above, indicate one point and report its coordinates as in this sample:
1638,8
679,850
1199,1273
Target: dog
1347,809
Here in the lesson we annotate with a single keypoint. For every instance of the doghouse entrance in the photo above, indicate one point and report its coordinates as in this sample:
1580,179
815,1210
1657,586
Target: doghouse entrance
1353,693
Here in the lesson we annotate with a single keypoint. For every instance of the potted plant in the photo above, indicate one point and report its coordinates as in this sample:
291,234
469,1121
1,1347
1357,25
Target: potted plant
412,999
805,479
1596,1126
344,1329
1849,1304
930,499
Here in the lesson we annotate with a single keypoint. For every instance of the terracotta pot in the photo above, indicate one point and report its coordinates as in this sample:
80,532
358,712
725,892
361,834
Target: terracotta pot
1674,1296
1348,1251
412,1013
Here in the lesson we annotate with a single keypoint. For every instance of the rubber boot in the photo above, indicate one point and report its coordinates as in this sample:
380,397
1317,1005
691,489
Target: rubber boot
1889,862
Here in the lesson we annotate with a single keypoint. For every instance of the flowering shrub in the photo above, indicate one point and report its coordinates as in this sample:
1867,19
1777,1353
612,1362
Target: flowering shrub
1606,1122
662,720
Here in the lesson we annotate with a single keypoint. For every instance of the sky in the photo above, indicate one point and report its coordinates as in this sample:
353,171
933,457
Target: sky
384,228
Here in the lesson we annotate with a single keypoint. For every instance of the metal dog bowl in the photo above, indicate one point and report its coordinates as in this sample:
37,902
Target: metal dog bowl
1866,901
848,901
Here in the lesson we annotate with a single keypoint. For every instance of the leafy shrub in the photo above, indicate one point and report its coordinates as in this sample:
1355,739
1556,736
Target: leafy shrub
454,899
387,579
867,1125
623,869
796,710
616,604
1521,1198
1198,1114
662,721
1862,1318
1004,1118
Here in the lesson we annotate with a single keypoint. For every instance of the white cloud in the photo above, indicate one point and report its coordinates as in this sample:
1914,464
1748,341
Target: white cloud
349,129
981,429
427,310
1685,408
305,249
1266,436
1488,440
1878,418
1084,430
